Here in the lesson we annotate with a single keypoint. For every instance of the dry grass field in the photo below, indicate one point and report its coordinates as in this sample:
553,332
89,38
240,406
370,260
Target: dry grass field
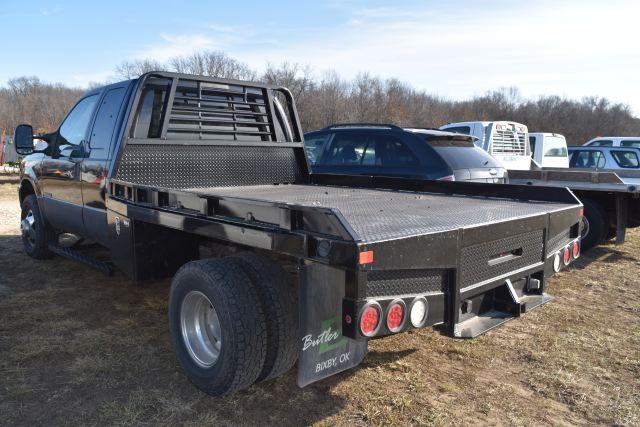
77,347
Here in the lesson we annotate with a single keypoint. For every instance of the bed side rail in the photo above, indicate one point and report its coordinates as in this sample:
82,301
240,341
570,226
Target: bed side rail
503,191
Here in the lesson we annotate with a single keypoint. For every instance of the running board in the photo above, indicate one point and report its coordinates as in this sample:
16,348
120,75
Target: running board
508,303
104,267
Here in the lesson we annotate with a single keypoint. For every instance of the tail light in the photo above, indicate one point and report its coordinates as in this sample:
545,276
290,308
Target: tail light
370,319
566,256
365,257
575,249
418,312
447,178
395,315
557,262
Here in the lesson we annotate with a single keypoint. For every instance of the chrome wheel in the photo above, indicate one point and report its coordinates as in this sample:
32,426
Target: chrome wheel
28,228
201,330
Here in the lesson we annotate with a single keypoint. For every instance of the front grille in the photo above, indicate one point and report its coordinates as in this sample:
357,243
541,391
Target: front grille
509,142
403,282
483,261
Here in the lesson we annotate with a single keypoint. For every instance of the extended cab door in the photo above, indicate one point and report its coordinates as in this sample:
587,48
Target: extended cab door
60,174
95,165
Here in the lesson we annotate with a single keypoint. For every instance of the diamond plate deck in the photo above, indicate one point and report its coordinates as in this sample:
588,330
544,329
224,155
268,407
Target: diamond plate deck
378,215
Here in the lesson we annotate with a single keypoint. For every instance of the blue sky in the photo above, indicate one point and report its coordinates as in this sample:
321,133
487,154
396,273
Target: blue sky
452,49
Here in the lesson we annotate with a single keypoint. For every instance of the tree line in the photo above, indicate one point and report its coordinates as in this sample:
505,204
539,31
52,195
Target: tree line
330,98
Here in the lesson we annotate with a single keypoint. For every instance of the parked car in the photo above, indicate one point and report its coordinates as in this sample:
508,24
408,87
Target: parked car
601,157
218,167
614,141
506,141
549,150
389,150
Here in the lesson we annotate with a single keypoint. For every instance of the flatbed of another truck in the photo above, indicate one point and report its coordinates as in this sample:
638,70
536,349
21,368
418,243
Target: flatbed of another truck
603,180
377,215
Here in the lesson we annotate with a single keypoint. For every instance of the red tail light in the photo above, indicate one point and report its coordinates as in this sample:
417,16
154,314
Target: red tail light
395,316
366,257
370,319
575,249
566,256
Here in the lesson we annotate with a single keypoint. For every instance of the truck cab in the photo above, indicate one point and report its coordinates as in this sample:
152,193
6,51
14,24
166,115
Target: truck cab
549,150
504,140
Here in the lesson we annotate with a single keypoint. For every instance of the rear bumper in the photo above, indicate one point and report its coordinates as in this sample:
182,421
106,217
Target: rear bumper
469,280
491,281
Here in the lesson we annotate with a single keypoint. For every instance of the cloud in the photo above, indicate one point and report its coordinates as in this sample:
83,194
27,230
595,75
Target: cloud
177,45
558,47
546,47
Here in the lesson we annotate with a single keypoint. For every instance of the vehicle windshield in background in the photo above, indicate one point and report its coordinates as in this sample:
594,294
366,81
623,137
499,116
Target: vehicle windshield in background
554,147
314,145
463,155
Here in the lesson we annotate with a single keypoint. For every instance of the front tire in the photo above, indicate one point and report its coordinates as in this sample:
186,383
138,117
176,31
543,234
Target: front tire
37,235
217,326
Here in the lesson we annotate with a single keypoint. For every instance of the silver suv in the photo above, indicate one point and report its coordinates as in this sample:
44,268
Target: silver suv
590,157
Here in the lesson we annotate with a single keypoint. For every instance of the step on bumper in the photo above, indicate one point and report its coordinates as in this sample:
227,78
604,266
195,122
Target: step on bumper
497,306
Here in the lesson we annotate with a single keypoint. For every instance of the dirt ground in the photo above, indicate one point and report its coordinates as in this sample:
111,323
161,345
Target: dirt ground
77,347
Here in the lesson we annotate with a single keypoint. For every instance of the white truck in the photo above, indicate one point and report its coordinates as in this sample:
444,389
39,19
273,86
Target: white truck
549,150
506,141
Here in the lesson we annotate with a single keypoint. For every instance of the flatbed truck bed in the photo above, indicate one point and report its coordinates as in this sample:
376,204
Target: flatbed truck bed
207,181
611,198
377,215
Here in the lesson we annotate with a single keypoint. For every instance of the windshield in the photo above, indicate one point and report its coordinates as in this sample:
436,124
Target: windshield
468,157
555,146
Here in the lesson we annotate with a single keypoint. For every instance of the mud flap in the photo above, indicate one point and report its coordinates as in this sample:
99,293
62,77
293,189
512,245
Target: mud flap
324,351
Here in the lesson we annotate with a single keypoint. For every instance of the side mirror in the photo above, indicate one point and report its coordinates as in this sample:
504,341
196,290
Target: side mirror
23,139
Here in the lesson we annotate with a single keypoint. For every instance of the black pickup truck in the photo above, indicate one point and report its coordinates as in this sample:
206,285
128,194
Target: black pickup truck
206,180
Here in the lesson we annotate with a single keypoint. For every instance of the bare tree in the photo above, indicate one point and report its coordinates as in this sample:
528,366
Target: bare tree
211,63
133,69
332,99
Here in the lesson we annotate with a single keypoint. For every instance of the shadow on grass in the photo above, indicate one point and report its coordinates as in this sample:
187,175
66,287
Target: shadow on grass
606,253
99,348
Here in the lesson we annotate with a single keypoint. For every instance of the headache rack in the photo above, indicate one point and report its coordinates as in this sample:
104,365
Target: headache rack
195,131
175,107
509,142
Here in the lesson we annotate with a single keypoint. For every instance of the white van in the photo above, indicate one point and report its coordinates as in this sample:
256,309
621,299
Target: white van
549,150
615,141
506,141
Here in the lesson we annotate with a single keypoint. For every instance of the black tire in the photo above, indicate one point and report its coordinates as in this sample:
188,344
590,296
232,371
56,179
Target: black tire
280,308
36,245
242,324
597,224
